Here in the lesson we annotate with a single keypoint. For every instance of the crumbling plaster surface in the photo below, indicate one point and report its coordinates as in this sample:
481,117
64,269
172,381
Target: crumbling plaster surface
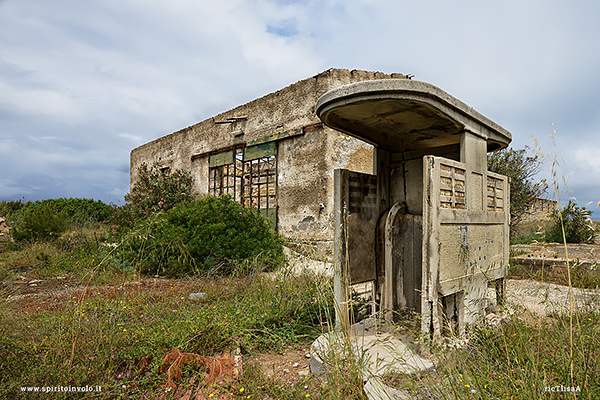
305,162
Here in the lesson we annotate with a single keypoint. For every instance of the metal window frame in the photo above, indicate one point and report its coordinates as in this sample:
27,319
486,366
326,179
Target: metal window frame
249,174
225,173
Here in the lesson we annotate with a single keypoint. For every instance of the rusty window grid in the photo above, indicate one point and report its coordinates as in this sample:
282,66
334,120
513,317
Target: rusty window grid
495,194
227,178
452,187
259,183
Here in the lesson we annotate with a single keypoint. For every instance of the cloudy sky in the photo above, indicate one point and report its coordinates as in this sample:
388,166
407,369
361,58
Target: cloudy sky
82,83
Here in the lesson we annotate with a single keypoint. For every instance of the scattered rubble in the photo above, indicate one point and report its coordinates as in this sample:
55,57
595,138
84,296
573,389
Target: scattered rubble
4,231
200,296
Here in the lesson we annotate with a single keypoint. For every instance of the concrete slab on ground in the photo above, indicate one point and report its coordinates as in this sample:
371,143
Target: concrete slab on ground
374,351
543,298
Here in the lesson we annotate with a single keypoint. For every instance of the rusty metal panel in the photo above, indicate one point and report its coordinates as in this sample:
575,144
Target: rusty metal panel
277,136
224,158
358,212
260,151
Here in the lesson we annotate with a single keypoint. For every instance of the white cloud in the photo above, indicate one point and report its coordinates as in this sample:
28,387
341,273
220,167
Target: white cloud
101,77
133,138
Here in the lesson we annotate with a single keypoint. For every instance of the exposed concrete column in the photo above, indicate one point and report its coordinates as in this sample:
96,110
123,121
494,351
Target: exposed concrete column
341,279
473,151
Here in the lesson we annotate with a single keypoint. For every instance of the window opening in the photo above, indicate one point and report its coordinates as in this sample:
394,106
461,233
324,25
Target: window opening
260,190
249,175
225,174
260,180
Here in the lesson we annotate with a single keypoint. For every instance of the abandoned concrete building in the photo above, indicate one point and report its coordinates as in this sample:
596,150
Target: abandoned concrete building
384,175
273,154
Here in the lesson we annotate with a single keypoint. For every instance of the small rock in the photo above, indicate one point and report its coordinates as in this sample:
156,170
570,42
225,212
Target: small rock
200,296
493,319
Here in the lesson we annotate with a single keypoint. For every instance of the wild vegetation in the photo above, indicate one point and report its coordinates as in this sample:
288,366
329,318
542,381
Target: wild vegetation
87,302
210,234
524,357
47,219
571,224
521,168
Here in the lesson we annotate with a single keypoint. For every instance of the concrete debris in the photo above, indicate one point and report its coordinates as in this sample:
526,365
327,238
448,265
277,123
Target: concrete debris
4,231
375,389
200,296
493,319
376,353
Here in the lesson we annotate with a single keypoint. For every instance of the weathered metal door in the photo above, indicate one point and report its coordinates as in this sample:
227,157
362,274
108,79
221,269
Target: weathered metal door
356,214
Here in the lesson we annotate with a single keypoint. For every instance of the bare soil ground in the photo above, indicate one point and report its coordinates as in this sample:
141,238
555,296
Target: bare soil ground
290,365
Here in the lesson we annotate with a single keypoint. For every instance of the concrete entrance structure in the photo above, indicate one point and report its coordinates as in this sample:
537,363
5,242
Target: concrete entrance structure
430,226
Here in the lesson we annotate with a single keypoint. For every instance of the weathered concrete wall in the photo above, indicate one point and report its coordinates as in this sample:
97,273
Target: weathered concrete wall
305,162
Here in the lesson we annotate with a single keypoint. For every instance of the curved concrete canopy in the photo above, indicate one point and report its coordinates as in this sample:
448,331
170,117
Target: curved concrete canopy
403,115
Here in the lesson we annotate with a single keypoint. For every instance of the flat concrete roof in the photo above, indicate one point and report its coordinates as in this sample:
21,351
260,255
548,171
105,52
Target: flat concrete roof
404,115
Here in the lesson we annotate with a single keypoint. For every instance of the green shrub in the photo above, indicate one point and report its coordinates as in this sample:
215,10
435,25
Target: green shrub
7,208
211,234
578,227
39,223
78,210
155,190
